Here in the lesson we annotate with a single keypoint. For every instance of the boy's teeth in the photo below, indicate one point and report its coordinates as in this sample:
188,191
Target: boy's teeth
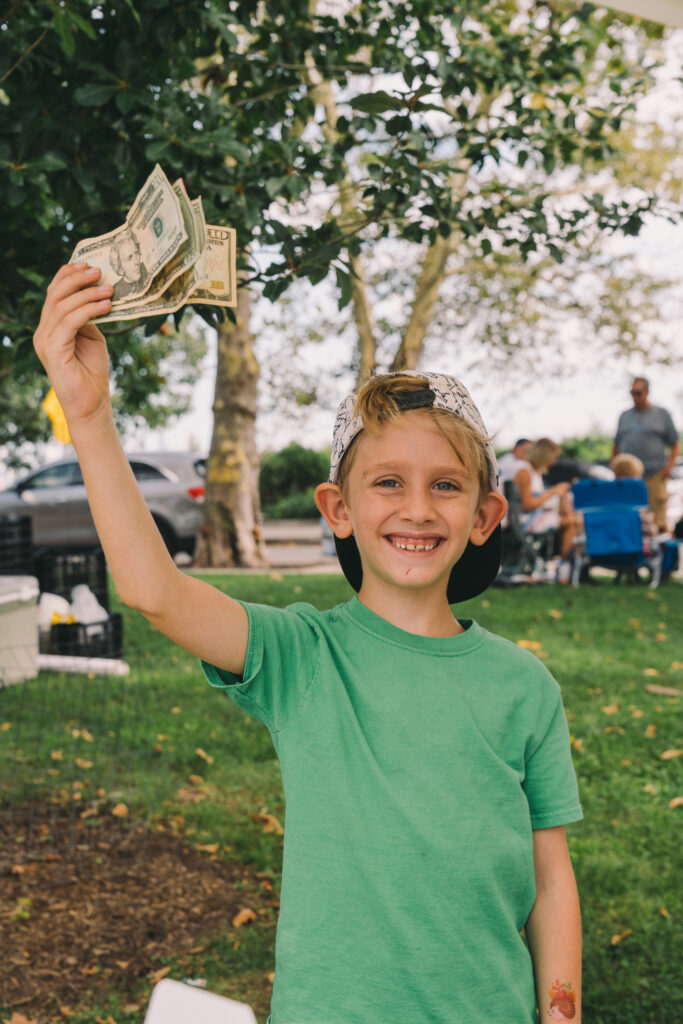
412,546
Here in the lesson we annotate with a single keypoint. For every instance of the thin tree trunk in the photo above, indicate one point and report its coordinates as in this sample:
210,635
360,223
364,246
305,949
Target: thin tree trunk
231,534
422,311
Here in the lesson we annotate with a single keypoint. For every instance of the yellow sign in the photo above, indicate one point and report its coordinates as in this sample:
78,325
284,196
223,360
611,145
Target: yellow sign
54,410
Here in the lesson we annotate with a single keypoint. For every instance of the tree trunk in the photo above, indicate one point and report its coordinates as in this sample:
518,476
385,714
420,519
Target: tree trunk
426,294
231,534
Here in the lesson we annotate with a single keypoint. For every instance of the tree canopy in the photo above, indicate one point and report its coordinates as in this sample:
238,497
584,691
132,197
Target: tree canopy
229,97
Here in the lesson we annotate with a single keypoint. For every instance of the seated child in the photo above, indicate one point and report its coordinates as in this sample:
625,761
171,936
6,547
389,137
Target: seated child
426,762
626,466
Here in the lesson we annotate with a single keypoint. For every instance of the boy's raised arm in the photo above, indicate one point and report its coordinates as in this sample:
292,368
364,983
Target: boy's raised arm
74,353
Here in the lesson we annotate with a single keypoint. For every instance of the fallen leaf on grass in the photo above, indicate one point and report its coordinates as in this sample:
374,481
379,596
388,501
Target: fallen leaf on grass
176,710
120,811
555,614
676,802
83,764
56,755
668,754
664,912
18,1018
205,757
156,976
5,727
243,917
651,672
650,731
677,664
637,713
667,691
269,821
616,939
649,788
661,637
207,847
196,780
609,709
578,745
530,645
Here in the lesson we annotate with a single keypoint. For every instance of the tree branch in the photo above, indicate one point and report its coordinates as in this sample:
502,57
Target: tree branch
31,47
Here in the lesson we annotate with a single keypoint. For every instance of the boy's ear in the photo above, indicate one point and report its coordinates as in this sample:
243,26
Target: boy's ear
333,509
491,512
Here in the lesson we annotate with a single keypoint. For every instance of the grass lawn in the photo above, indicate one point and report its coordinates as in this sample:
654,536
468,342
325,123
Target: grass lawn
161,747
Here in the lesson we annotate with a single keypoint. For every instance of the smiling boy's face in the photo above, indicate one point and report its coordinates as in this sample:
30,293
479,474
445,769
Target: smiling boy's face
412,506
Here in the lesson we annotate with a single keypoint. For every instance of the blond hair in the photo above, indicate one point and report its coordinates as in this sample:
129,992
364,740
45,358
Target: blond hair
542,452
376,404
626,465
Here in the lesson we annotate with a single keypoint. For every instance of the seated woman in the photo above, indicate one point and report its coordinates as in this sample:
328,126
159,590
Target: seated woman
545,509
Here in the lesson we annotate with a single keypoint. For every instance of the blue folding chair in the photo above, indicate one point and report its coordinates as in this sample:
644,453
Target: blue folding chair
613,532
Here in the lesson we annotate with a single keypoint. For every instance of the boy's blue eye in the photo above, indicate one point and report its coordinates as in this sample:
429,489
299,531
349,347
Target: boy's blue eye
446,485
390,482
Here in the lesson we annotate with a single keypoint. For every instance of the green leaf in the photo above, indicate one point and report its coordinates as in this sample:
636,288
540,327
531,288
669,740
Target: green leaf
49,162
344,286
376,102
156,150
64,31
274,186
95,94
84,25
129,3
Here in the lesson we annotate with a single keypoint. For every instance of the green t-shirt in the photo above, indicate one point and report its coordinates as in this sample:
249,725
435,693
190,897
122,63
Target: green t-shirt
414,770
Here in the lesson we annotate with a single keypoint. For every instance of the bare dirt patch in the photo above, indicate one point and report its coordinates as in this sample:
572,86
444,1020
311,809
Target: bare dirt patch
92,915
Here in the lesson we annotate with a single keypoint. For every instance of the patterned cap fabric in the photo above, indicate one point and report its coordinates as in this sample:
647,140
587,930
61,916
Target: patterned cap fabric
448,393
478,566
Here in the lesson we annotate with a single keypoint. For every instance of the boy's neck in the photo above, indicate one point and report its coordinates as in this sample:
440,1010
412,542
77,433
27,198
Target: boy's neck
418,612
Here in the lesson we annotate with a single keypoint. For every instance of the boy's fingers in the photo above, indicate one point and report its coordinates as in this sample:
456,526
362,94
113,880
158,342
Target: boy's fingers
70,279
65,300
68,318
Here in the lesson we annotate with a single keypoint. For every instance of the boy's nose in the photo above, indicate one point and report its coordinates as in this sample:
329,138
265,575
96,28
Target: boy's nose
417,505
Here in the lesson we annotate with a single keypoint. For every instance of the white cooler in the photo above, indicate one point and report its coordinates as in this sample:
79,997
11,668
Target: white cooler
18,629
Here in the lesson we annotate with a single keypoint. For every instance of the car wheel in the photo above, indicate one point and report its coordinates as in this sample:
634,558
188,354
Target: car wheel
167,534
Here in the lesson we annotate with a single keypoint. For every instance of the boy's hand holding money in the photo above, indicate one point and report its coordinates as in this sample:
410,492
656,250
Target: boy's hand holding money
72,350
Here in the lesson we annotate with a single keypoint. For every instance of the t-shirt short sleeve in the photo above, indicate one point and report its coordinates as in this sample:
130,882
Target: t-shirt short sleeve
669,430
280,665
550,780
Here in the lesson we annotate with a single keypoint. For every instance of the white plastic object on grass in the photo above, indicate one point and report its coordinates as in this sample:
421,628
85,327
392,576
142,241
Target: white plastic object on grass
85,607
173,1002
82,666
51,605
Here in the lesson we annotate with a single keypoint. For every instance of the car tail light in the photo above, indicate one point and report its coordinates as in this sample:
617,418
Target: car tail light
196,493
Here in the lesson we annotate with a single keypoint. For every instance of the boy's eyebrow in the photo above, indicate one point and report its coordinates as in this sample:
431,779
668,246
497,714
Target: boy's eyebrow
392,467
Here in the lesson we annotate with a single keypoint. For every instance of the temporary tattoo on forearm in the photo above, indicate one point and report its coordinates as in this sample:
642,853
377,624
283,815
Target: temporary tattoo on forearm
562,1001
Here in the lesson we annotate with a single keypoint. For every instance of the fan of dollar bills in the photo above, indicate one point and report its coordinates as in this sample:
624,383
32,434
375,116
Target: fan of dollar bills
164,256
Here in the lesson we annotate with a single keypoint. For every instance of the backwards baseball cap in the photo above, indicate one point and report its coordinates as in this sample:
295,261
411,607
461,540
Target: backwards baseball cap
478,565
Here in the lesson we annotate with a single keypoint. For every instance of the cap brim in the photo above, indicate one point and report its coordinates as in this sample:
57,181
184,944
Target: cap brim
472,574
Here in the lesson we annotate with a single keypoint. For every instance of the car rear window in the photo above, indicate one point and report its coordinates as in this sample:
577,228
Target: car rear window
143,471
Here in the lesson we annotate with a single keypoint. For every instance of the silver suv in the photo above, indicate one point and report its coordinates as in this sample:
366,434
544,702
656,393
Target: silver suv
172,484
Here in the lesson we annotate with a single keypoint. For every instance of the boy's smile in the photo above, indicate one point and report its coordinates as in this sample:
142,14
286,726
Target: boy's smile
412,506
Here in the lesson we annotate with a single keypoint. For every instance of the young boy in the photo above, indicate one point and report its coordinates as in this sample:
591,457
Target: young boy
425,761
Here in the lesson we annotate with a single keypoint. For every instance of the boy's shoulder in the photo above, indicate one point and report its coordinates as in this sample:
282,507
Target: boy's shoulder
521,657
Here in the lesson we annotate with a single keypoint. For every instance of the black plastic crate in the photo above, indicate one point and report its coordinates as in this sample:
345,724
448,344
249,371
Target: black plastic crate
59,571
16,545
88,640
